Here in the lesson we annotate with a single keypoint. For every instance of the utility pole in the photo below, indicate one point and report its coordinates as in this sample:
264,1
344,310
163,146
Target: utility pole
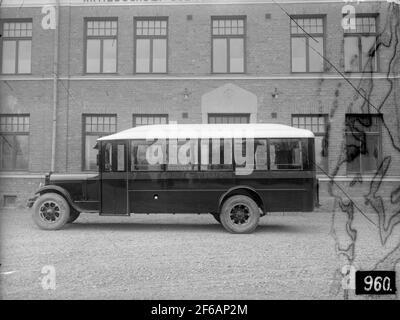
55,87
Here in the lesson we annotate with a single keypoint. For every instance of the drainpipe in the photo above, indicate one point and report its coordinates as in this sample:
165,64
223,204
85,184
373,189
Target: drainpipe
55,88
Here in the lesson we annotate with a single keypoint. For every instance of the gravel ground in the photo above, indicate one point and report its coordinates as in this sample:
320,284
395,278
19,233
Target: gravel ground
175,257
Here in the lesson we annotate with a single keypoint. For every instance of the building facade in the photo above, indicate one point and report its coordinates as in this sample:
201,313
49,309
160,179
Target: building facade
110,65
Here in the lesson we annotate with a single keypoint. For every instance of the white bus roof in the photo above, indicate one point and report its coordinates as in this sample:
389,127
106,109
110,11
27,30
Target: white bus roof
204,131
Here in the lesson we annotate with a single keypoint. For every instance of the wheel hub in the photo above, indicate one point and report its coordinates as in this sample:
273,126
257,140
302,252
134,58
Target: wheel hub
240,214
50,211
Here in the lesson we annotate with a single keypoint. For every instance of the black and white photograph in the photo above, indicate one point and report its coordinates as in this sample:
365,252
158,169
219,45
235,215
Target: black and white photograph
199,150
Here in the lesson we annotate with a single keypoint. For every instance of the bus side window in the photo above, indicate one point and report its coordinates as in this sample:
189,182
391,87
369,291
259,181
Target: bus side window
244,154
121,157
183,155
305,153
141,161
285,154
216,154
260,146
148,155
108,157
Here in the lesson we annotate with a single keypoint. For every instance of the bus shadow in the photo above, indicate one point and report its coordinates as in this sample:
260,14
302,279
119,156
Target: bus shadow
185,227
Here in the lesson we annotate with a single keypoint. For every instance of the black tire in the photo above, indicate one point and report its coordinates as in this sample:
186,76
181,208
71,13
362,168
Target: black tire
51,211
216,216
73,216
240,214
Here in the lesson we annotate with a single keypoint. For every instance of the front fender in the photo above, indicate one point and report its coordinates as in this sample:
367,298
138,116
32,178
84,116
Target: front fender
56,189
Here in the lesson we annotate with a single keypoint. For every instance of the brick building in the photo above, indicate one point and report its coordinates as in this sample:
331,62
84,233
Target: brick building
126,63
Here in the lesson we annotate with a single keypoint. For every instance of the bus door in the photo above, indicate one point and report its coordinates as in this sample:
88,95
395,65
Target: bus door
114,192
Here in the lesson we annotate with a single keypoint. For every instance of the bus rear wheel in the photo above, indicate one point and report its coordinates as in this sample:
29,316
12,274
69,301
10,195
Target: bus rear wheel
240,214
51,211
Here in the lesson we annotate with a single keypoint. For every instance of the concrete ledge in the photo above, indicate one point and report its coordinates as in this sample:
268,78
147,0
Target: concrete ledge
21,176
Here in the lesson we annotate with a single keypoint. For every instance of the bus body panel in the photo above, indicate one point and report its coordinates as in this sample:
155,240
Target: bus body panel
200,192
114,193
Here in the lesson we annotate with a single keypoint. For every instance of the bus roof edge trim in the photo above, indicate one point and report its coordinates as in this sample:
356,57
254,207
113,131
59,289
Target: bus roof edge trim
209,131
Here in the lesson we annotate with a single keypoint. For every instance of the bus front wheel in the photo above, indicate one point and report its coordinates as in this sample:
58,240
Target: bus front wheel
240,214
51,211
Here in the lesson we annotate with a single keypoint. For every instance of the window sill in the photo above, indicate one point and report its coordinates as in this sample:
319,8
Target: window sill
21,175
311,72
350,178
101,74
15,74
227,73
358,73
150,73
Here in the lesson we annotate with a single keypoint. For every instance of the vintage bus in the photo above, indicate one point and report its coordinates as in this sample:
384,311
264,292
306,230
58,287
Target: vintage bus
236,172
